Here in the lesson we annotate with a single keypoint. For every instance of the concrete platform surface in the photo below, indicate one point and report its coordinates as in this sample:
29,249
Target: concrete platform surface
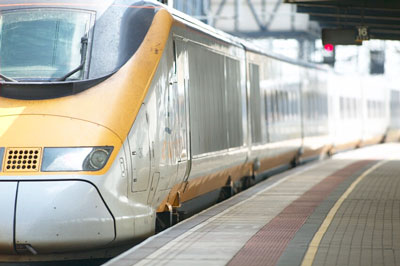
340,211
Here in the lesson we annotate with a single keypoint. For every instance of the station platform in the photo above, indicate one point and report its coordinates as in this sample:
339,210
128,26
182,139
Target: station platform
341,211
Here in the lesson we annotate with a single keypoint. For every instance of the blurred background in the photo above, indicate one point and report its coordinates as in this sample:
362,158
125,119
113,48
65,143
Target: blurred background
279,28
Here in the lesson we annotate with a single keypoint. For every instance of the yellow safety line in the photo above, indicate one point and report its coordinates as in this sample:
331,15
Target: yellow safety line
313,247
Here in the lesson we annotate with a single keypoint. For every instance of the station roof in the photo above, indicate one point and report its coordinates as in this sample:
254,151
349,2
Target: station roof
382,17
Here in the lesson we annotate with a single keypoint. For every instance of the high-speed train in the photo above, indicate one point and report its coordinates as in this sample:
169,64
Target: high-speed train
118,115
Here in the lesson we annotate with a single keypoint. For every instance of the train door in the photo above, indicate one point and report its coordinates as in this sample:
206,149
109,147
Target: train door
140,151
181,90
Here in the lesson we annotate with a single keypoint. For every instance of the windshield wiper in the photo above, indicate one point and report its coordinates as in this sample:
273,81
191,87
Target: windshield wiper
5,78
84,47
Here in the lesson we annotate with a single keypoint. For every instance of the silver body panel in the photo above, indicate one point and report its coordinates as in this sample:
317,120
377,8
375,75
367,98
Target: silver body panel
8,192
60,216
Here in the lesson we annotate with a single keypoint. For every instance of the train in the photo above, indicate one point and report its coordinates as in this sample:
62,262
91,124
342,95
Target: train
120,116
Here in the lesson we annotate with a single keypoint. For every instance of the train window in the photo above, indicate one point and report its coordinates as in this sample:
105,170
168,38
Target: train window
271,96
341,107
216,102
354,108
290,106
43,44
267,113
255,105
395,108
234,103
373,109
284,105
207,100
308,105
378,109
268,110
287,109
369,111
320,107
280,105
295,105
349,108
315,105
276,105
276,109
291,100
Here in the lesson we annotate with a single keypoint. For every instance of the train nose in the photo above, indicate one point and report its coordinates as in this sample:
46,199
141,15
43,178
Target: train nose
54,216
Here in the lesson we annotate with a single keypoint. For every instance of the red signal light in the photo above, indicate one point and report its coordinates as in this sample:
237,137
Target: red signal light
328,47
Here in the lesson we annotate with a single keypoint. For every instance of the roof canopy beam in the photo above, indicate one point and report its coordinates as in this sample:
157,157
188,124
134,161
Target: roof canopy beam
382,17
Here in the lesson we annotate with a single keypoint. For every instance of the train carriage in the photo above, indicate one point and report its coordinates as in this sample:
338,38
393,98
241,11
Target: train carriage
120,115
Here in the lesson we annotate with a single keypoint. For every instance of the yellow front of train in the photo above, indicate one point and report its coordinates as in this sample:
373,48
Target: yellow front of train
73,79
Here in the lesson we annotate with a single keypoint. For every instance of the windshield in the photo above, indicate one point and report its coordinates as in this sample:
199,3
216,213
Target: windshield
43,44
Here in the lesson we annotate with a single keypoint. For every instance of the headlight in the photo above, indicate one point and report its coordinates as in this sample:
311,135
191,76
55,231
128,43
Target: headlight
98,158
75,159
1,158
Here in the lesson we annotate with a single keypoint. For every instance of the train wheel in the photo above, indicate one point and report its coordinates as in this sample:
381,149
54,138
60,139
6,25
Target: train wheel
227,191
295,161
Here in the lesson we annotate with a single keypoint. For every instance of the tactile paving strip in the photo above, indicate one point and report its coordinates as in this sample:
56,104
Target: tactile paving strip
366,228
266,247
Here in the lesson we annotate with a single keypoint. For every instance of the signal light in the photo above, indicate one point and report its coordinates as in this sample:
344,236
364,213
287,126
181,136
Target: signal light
328,47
